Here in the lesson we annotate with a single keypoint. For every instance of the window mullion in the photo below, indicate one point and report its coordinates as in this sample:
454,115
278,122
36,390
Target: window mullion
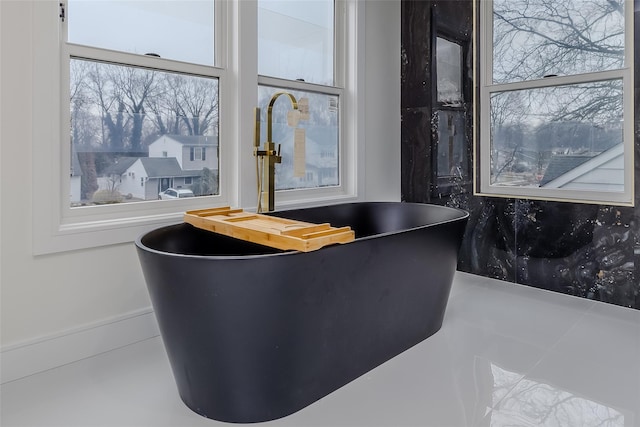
339,47
486,42
221,28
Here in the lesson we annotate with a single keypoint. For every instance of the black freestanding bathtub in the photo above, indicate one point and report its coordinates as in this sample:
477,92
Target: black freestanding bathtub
255,333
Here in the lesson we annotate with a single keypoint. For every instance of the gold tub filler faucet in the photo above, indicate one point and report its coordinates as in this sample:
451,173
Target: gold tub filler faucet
267,157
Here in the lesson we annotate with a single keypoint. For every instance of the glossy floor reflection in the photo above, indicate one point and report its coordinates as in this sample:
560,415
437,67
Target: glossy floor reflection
507,355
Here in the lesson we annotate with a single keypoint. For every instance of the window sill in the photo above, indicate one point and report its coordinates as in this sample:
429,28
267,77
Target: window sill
584,197
84,232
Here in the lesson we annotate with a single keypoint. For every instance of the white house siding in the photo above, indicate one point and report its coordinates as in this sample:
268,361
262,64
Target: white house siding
180,182
210,159
74,193
182,152
165,143
607,177
130,181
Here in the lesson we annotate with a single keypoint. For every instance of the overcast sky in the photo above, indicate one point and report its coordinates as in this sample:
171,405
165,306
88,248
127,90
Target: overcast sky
175,29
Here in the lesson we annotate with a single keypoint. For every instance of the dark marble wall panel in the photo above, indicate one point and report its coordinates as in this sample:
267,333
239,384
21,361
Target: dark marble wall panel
416,101
454,15
415,69
486,249
416,153
585,250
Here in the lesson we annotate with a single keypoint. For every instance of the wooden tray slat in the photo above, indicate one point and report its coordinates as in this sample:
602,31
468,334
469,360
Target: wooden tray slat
316,234
302,230
276,232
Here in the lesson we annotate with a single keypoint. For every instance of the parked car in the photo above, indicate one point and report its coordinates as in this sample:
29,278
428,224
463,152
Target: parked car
172,193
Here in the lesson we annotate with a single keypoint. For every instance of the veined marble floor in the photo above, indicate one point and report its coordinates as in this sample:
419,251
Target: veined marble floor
507,355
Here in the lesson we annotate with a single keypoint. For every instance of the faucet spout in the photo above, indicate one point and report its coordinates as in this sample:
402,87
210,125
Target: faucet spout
294,105
269,156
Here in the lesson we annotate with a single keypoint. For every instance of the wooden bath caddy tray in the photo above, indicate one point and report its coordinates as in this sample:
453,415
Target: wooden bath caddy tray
280,233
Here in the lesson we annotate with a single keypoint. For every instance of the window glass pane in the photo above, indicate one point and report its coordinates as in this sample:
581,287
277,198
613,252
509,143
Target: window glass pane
295,40
135,133
559,137
180,30
449,71
451,160
321,146
537,38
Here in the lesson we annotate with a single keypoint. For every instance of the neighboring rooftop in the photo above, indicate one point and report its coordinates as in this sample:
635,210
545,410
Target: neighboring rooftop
193,140
156,167
601,172
561,164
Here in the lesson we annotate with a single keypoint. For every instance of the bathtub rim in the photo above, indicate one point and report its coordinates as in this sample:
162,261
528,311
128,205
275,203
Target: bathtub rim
463,215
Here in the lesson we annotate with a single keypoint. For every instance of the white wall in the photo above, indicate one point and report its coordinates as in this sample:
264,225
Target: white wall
64,297
382,100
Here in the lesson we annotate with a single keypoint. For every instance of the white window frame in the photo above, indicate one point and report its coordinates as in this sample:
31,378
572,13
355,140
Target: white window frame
57,227
483,44
345,22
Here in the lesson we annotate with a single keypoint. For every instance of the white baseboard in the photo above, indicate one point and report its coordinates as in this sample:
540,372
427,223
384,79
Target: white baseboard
24,359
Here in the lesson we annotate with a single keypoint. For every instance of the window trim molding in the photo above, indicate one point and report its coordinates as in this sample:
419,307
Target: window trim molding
483,71
346,188
58,228
348,15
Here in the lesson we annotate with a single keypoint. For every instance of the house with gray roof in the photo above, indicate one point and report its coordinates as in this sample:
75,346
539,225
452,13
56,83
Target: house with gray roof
193,152
603,172
174,161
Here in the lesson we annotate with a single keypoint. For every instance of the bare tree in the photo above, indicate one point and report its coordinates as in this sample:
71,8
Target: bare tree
184,105
197,102
535,39
82,127
84,124
106,96
164,109
135,87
